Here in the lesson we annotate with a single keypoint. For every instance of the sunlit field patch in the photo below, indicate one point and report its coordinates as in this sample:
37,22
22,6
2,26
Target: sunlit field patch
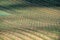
3,13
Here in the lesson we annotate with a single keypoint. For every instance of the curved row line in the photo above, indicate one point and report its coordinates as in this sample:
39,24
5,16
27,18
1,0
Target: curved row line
38,34
26,34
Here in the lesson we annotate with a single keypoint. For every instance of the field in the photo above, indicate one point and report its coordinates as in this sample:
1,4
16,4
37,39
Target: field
30,23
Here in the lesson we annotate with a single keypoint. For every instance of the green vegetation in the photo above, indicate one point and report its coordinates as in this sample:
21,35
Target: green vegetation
2,13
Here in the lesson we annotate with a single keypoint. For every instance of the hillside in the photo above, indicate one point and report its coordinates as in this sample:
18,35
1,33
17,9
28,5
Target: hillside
20,20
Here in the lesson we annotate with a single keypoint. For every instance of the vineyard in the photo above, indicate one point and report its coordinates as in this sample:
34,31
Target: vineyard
27,22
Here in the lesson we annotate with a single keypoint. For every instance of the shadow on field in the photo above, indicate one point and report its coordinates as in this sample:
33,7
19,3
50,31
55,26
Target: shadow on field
29,3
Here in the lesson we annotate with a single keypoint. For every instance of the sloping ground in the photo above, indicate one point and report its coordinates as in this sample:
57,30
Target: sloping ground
32,23
25,34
